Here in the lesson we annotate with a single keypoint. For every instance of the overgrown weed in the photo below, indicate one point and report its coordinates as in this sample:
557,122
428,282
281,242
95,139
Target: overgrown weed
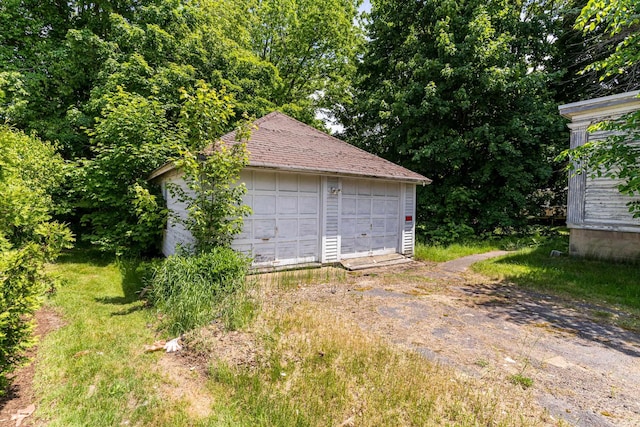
290,279
192,290
320,370
521,380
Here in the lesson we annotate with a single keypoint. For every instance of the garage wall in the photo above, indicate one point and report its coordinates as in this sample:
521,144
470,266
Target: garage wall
305,218
330,229
175,234
408,220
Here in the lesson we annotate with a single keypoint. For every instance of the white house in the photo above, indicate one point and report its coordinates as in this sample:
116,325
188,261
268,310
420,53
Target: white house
315,198
597,214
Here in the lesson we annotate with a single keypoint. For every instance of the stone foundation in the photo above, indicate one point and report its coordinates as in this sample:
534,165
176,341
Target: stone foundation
614,245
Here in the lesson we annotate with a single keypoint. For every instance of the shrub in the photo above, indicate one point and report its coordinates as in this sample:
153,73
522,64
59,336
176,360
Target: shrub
121,211
192,290
30,170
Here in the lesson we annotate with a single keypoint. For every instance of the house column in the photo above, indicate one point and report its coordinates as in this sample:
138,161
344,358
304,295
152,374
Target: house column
577,181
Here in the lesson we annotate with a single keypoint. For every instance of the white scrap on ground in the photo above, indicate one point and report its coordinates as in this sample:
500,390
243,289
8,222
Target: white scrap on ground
173,345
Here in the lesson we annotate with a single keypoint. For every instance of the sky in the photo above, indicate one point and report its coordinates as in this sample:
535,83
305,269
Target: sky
366,6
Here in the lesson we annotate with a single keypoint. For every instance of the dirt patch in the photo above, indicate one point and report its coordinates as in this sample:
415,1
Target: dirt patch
185,383
18,405
186,371
212,343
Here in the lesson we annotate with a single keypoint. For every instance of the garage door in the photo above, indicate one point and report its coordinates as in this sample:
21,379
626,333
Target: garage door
369,220
284,227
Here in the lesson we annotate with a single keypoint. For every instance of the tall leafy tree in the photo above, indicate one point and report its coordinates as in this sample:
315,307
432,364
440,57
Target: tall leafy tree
453,90
53,51
617,23
60,58
575,48
312,44
106,78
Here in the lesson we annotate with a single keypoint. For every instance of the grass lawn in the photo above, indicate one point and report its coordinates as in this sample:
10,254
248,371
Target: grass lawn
93,371
314,369
597,282
442,253
508,242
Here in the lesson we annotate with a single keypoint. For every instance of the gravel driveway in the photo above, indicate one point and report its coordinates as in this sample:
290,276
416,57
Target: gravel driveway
584,370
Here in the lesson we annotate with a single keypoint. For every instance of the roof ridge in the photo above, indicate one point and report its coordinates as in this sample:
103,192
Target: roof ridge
268,116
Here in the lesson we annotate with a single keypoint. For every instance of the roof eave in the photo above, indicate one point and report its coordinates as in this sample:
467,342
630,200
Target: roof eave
593,108
168,167
413,180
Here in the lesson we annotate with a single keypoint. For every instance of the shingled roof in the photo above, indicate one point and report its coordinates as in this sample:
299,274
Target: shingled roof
281,142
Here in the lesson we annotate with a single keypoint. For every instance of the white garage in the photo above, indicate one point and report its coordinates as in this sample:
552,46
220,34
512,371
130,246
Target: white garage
315,199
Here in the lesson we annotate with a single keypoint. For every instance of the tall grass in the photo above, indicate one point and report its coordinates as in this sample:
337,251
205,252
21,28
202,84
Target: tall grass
319,370
442,253
288,279
192,290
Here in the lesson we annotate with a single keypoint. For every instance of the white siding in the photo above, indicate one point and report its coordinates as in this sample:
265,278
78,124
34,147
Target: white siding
175,234
331,233
596,203
604,204
577,183
409,219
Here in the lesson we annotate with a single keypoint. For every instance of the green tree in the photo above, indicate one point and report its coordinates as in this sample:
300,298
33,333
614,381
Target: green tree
139,100
56,50
211,170
571,51
615,157
454,91
619,20
122,211
60,59
30,170
312,44
104,79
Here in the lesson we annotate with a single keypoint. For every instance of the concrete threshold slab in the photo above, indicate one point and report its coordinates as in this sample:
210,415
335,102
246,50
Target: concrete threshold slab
277,268
363,263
